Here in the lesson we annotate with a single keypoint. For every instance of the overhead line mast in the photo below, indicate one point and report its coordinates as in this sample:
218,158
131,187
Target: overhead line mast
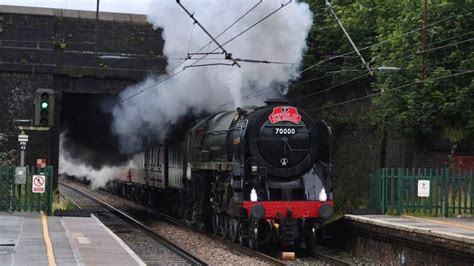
328,4
227,55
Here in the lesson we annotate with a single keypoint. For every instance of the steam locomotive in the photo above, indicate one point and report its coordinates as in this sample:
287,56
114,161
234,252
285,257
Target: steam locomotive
253,175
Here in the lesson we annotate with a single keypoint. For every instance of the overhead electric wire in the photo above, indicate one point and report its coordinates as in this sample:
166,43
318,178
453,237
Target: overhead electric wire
385,41
342,55
227,54
231,25
436,48
437,42
311,80
445,46
332,87
204,65
396,88
263,91
247,29
263,61
182,62
365,63
364,48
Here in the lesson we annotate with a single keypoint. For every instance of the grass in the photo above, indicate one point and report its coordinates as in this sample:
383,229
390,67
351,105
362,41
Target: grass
63,204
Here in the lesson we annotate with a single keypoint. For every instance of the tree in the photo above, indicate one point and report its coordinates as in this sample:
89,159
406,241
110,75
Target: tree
389,34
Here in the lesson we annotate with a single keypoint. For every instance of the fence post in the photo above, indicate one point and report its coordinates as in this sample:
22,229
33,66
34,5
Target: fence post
12,190
384,194
372,191
1,187
376,191
471,208
446,192
49,173
399,190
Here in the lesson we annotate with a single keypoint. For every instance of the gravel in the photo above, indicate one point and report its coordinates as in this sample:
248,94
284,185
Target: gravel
207,249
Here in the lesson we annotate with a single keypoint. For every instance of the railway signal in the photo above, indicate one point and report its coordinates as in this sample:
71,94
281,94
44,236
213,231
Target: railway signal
44,107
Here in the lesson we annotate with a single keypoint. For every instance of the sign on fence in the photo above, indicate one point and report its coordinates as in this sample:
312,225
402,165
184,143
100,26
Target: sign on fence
20,175
33,195
39,184
423,188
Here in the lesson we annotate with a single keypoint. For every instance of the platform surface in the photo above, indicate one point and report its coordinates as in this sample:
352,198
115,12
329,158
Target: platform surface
461,229
74,241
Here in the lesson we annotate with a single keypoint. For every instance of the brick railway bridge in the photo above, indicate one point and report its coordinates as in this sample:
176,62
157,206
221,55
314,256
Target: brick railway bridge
43,48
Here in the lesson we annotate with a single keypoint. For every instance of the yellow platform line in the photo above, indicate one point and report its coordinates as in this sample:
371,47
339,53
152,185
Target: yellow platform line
440,222
47,240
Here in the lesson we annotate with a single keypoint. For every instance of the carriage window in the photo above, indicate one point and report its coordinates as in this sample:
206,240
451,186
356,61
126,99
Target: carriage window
158,156
145,162
152,161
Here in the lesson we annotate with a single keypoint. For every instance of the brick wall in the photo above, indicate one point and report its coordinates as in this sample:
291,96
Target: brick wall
54,49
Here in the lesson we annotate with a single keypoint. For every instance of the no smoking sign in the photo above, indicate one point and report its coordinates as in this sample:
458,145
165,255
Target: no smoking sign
38,184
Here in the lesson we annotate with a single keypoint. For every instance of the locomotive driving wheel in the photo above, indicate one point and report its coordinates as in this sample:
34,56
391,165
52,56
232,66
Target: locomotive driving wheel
242,234
233,227
218,223
215,223
254,231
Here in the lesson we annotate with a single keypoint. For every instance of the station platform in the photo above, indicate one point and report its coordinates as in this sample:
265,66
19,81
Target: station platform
410,239
37,239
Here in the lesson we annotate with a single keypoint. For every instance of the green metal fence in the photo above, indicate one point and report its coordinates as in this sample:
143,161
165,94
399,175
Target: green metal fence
19,197
395,191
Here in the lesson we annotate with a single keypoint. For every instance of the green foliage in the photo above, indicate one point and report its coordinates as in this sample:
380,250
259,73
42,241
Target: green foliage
436,105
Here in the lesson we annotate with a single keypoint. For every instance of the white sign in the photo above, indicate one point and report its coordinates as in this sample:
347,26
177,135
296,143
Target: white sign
23,138
39,184
423,188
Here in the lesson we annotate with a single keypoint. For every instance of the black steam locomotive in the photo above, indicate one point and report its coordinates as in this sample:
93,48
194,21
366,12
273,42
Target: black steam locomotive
253,175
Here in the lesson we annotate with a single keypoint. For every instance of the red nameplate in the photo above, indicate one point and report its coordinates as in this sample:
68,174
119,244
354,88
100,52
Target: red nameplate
284,113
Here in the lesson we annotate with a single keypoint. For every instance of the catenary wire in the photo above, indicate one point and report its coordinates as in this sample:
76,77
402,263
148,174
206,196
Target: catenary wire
385,41
183,61
396,88
332,87
324,76
247,29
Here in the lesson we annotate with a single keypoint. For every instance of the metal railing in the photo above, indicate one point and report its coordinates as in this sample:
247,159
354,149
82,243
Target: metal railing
20,197
420,190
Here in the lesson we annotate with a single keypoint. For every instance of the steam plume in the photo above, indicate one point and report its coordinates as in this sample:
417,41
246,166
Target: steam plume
282,37
77,168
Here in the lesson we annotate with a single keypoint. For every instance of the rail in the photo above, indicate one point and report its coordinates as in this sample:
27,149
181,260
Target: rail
242,249
184,254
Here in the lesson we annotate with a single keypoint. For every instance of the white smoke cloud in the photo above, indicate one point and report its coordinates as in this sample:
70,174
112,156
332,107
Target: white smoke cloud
72,167
282,37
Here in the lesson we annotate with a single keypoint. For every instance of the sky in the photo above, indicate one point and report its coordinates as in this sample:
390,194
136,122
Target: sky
121,6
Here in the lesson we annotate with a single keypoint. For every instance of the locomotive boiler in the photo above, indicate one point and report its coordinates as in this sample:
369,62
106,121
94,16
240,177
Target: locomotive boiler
254,175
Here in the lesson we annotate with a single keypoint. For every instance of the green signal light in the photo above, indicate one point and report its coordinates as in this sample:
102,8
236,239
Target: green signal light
44,105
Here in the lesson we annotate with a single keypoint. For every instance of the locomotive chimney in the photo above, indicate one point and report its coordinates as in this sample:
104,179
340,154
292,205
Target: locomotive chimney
275,102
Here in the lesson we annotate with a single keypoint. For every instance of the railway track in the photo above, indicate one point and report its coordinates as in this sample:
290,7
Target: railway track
317,256
227,242
330,259
167,252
